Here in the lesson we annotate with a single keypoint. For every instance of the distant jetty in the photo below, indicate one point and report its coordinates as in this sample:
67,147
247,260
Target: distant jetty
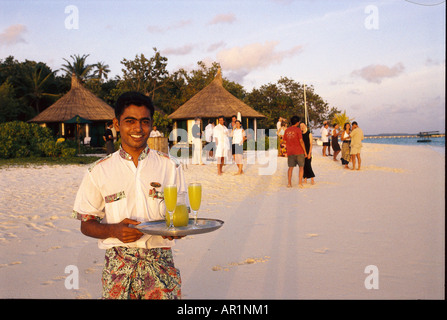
433,134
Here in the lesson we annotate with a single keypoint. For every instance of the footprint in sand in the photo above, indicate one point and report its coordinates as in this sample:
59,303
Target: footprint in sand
311,235
246,261
10,264
321,250
35,227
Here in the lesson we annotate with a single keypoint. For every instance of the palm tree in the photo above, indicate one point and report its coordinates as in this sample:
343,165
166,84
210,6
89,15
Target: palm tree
82,70
35,84
341,119
101,71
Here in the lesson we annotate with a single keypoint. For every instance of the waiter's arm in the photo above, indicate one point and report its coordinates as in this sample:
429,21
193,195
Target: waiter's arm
122,231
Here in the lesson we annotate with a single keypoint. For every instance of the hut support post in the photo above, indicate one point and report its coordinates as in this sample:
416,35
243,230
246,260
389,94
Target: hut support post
255,126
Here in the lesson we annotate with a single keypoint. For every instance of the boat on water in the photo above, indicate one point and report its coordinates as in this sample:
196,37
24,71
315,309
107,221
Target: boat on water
425,136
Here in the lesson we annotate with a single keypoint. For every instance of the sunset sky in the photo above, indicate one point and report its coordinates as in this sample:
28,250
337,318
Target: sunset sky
381,61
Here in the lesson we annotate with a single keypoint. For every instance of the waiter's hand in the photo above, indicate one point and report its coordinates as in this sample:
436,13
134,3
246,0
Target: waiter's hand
123,232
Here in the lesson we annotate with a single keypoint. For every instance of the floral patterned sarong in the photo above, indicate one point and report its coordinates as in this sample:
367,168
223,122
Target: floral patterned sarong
137,273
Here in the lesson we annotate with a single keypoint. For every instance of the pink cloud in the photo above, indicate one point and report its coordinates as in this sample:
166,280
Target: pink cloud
376,73
223,18
13,34
255,56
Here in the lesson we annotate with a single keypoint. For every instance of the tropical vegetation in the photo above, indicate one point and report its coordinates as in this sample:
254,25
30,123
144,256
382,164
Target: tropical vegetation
29,87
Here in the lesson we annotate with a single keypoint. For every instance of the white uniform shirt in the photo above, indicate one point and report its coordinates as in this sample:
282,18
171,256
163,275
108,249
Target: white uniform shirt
220,134
209,132
155,134
324,135
114,189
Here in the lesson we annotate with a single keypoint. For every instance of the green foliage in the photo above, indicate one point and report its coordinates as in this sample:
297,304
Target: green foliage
20,139
9,106
341,119
162,122
286,99
27,88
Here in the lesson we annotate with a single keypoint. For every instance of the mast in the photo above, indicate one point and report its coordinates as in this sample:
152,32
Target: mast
305,107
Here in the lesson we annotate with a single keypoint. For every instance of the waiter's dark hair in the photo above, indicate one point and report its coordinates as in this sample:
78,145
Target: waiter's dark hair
132,98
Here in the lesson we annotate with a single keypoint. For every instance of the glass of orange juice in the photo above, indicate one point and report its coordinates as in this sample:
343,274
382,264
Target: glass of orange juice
170,196
195,198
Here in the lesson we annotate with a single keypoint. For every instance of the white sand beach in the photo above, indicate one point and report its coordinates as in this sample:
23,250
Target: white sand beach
277,242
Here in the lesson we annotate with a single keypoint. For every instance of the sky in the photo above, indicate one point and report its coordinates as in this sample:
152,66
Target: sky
383,62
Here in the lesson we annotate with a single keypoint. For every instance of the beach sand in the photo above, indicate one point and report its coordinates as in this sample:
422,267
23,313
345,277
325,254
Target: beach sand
277,242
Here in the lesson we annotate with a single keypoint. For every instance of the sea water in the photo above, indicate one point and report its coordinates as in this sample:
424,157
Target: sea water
437,144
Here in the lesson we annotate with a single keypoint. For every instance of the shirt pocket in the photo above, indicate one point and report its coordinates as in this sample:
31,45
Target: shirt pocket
115,207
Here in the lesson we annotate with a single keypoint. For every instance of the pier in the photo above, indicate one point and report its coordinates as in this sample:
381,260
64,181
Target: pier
405,136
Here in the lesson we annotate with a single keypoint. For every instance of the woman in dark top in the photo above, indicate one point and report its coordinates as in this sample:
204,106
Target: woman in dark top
307,139
345,149
335,144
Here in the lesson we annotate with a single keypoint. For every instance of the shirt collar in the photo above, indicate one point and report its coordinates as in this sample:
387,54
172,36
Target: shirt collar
123,154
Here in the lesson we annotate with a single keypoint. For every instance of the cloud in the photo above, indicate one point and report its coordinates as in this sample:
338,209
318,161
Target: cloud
376,73
13,34
179,51
223,18
174,26
215,46
254,56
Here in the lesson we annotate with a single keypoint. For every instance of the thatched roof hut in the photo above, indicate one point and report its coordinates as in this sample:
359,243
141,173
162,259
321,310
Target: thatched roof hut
78,102
211,102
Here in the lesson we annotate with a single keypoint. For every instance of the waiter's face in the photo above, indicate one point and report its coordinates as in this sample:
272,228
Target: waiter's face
134,126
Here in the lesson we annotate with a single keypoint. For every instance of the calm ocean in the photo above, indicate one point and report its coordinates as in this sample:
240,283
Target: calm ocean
437,144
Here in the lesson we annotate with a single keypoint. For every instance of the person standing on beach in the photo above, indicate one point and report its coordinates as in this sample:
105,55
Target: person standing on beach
296,150
335,144
282,151
155,133
197,142
307,139
325,137
356,144
346,145
108,138
220,134
231,126
238,135
209,140
121,191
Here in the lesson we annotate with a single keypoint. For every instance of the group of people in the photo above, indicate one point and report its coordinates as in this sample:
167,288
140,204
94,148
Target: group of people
351,137
295,143
221,142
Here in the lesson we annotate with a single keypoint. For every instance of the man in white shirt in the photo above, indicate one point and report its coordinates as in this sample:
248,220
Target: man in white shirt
220,134
197,142
155,133
119,192
209,139
324,136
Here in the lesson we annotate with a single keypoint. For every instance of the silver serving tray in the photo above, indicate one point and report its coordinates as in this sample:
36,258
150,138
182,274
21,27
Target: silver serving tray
159,228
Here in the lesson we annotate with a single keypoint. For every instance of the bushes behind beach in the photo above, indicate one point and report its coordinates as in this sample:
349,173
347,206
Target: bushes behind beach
20,139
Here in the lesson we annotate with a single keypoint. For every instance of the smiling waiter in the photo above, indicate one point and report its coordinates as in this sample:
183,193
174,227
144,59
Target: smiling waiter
125,189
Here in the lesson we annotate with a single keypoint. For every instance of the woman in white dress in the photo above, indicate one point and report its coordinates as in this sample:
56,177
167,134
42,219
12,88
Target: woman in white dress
239,137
